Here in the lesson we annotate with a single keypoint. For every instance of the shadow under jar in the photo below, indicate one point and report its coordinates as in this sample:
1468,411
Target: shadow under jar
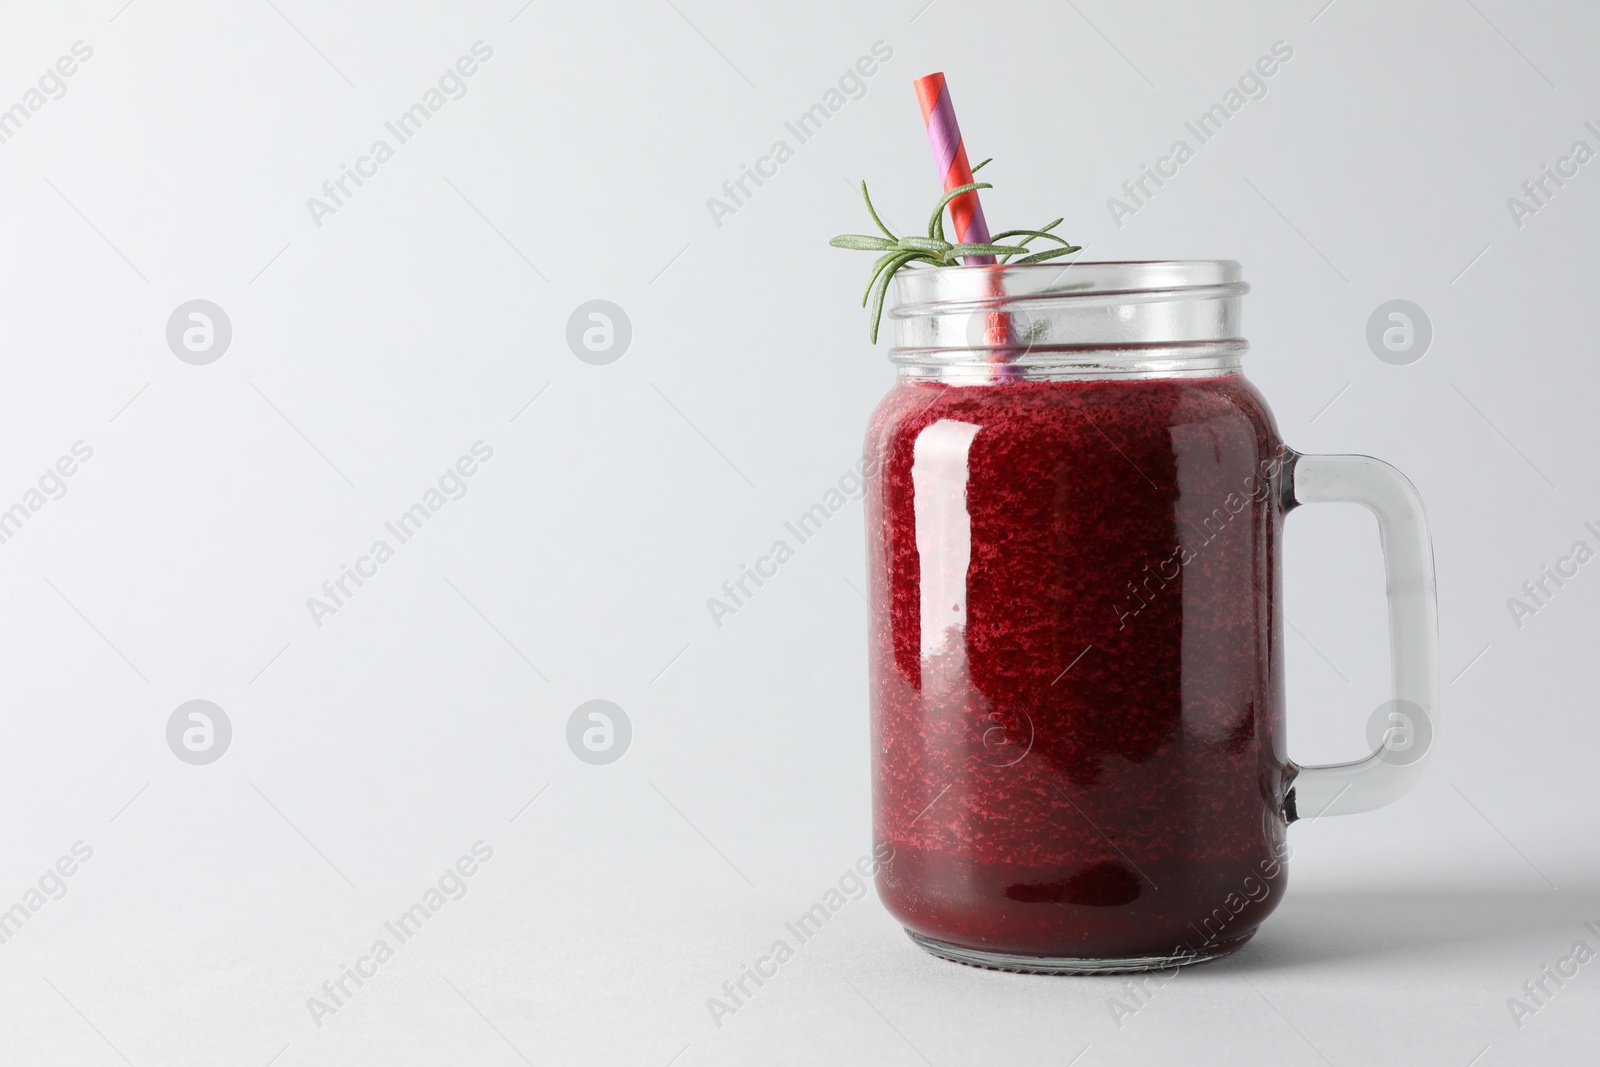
1074,510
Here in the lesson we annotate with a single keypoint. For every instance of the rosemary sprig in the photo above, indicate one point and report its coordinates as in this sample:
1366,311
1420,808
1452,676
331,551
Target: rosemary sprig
933,249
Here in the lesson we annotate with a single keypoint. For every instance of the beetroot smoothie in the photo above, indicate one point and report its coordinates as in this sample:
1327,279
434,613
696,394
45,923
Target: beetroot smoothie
1076,664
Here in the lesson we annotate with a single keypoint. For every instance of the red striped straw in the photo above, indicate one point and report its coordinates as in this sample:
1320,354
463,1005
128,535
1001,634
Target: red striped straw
966,213
950,154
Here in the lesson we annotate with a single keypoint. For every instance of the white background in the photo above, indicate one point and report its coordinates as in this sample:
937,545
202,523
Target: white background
372,351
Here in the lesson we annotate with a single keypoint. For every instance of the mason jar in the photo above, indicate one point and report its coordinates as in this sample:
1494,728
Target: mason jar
1075,513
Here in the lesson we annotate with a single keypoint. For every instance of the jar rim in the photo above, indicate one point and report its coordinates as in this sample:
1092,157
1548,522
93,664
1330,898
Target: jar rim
1057,319
1088,278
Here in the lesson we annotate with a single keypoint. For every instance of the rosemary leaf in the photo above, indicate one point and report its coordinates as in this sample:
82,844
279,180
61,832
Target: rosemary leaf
861,242
899,252
874,212
937,221
877,269
923,244
985,250
1040,257
1032,234
876,311
1042,231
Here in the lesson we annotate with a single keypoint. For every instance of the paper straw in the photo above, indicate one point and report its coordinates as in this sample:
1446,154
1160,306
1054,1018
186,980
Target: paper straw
966,213
950,155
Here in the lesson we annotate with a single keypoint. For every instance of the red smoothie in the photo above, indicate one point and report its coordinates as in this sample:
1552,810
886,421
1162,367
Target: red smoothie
1076,661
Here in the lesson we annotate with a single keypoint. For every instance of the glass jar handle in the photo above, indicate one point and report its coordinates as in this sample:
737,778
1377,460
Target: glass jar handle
1390,770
